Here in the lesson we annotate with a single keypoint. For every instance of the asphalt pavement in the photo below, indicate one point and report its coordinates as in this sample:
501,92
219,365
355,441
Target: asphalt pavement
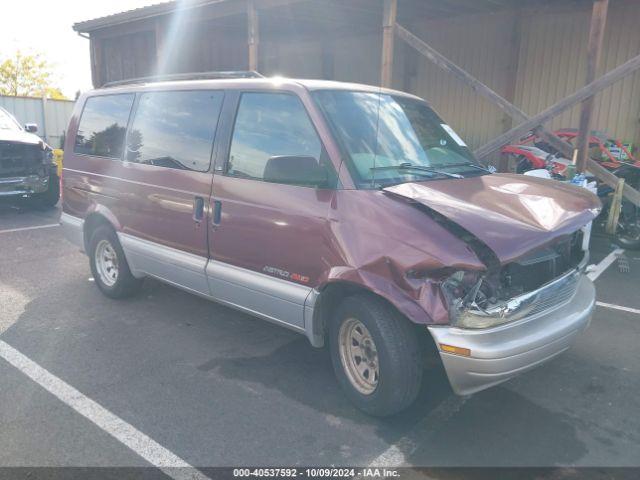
215,387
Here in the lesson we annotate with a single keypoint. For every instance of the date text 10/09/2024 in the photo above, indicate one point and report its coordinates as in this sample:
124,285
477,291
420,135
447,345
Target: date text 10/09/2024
366,472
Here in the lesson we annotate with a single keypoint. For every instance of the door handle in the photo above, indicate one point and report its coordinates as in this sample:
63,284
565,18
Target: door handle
217,213
198,209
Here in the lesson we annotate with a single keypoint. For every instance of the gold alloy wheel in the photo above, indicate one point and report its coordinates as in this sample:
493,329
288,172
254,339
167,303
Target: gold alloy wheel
359,356
106,263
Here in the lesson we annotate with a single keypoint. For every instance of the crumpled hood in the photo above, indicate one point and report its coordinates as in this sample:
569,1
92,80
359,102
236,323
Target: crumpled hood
18,136
512,214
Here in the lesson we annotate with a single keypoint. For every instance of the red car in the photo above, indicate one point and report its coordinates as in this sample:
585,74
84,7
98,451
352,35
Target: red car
353,215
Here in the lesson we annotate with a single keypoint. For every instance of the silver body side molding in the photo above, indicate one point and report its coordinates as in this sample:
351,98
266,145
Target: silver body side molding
278,301
272,298
165,263
73,229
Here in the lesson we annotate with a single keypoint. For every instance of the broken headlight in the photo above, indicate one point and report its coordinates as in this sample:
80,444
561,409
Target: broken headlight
471,300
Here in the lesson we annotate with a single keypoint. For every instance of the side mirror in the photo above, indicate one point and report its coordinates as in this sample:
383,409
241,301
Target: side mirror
31,127
296,170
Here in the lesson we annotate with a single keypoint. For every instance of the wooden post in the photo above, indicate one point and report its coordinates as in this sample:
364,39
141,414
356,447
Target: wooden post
253,34
614,209
97,62
388,25
594,52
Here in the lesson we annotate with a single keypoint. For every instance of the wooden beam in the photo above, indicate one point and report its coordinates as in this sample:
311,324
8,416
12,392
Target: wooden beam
536,121
252,34
447,65
594,52
585,92
388,24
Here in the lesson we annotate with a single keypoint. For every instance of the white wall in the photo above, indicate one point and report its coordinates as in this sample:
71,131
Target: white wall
52,116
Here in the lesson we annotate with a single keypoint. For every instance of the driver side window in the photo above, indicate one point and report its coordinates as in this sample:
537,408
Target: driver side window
271,125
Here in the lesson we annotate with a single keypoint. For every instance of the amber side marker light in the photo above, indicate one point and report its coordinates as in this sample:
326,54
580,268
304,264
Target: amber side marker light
465,352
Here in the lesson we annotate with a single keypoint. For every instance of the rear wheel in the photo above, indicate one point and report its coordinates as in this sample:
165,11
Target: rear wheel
109,265
376,355
628,232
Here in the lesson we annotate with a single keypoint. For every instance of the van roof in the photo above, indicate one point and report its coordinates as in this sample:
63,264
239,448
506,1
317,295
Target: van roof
248,83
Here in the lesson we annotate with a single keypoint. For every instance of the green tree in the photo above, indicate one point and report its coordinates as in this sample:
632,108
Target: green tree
27,75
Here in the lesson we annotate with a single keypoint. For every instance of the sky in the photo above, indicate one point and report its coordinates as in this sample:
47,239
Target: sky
44,26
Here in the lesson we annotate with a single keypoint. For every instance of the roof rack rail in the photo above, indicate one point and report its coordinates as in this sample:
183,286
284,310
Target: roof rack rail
186,76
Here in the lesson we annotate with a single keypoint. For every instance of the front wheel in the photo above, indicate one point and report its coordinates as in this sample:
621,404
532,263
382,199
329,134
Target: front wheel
109,266
376,355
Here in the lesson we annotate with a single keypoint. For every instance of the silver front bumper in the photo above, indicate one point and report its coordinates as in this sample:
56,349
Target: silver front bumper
10,186
500,353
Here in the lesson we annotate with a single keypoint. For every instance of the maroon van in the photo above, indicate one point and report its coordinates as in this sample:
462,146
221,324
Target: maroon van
350,214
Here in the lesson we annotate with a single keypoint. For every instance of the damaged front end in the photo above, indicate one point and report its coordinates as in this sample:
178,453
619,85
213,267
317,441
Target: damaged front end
531,299
25,168
542,280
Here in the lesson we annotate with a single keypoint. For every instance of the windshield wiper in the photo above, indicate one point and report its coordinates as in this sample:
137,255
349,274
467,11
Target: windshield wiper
418,168
468,164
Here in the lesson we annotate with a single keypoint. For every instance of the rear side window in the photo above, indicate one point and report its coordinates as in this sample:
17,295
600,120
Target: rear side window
269,125
174,129
103,125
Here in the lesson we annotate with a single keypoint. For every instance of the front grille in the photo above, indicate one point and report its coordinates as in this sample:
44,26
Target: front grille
19,159
544,265
555,296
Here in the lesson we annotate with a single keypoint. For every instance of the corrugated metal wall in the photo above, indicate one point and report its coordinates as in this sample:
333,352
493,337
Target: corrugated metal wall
51,116
479,44
553,63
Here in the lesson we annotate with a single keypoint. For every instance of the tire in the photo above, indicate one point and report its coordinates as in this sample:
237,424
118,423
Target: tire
628,231
121,284
51,197
398,357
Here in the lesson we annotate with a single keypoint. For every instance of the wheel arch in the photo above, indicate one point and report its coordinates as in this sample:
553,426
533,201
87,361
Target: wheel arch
327,298
98,217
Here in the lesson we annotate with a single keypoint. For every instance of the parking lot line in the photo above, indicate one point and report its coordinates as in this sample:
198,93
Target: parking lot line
604,264
396,455
21,229
134,439
618,307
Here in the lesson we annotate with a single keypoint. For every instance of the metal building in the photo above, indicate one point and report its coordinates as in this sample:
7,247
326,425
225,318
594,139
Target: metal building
533,53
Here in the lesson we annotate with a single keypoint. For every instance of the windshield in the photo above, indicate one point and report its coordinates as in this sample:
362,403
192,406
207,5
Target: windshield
7,122
393,139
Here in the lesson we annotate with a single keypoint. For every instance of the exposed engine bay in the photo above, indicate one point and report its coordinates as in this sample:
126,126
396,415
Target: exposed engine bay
541,280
